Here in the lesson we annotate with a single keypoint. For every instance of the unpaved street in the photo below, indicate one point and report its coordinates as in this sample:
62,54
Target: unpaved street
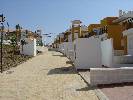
45,77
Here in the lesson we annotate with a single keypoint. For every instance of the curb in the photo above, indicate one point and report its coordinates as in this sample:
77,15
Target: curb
98,92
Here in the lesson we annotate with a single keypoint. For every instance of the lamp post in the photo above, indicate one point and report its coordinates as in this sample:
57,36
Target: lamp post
2,19
2,30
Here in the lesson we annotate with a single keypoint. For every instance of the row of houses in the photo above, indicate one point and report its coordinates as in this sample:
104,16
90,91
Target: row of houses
106,44
22,34
28,41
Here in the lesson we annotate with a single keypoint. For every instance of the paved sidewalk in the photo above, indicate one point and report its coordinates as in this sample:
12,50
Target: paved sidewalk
111,92
118,91
45,77
86,77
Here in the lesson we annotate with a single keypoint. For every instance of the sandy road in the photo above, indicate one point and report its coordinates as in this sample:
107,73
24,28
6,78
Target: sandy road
45,77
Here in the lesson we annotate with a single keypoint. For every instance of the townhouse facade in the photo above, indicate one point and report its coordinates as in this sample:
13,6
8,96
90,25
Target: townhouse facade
126,20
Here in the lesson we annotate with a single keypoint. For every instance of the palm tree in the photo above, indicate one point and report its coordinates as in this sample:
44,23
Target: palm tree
18,30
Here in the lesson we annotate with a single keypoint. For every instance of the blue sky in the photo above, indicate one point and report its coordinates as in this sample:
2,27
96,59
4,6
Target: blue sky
55,16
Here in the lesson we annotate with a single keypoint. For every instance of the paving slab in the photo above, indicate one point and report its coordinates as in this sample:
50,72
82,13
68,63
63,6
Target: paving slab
85,75
118,91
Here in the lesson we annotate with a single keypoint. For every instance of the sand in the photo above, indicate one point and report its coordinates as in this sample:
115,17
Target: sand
44,77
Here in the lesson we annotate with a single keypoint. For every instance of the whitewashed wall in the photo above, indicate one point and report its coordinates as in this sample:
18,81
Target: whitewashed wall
129,34
130,44
75,35
62,47
70,49
29,48
65,47
70,38
114,58
110,75
107,52
87,52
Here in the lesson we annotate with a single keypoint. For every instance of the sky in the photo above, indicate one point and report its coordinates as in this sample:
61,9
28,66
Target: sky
55,16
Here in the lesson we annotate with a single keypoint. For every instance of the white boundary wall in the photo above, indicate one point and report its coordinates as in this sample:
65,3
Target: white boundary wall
29,48
70,49
110,75
87,52
65,47
70,38
130,44
61,47
107,52
129,34
110,58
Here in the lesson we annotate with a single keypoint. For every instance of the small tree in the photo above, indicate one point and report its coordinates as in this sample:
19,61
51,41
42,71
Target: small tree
18,31
13,43
41,43
13,40
23,42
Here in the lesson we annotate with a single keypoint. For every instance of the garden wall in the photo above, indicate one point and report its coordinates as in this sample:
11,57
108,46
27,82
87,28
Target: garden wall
29,48
110,75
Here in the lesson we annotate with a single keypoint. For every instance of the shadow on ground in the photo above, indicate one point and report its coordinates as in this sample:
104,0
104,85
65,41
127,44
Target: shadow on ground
69,62
115,85
60,55
83,70
63,70
86,88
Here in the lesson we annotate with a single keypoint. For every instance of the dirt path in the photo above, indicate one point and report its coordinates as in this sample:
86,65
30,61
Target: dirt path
45,77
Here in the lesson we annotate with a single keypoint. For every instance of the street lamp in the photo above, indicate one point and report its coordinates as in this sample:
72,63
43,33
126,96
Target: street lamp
2,19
